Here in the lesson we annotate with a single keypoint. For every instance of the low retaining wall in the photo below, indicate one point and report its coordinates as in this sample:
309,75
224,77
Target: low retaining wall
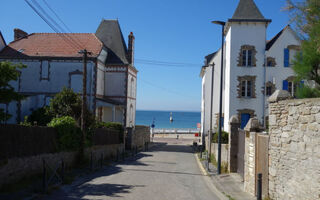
141,136
224,152
22,150
15,169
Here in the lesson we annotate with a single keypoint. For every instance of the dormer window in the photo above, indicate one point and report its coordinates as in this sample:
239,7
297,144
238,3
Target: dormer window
247,56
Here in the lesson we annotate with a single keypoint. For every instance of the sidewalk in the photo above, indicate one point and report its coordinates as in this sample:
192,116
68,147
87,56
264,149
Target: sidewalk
229,184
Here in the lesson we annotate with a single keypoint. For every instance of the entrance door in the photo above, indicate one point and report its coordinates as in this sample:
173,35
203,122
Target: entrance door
244,119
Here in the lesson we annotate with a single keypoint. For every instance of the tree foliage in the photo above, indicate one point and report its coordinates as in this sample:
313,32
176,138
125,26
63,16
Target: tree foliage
306,17
69,103
69,134
8,72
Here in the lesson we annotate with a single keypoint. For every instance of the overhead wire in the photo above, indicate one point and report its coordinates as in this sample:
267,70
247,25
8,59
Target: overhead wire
165,89
61,31
57,16
72,43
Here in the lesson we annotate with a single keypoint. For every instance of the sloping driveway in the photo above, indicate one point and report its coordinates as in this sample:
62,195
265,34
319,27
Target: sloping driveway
168,171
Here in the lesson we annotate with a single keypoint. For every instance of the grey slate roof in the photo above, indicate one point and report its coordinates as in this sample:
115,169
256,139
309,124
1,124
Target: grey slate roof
109,33
247,10
209,57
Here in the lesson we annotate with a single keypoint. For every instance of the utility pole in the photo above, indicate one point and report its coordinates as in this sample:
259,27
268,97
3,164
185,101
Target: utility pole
84,97
220,100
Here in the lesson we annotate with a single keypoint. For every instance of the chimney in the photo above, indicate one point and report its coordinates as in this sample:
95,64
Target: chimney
131,48
18,33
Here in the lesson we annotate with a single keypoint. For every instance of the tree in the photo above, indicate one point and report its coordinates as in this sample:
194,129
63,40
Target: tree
306,17
68,103
8,72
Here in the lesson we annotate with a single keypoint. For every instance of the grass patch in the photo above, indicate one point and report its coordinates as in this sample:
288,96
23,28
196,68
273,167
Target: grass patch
224,165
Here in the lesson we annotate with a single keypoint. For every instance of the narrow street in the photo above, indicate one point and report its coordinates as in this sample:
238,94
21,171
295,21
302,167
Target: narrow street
168,171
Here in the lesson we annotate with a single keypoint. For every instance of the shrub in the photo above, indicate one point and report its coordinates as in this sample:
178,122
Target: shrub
112,125
25,122
224,137
307,92
41,116
69,103
69,135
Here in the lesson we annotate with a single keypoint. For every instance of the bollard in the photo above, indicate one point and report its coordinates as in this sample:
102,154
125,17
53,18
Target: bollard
62,170
259,185
44,176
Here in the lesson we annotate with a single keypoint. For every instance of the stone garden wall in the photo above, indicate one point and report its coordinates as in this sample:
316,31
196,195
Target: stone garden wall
294,149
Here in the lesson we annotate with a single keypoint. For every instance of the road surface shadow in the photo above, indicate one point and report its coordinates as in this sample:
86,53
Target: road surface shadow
95,191
163,146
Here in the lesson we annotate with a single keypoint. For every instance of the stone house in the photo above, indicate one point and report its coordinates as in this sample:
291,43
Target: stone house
254,68
53,61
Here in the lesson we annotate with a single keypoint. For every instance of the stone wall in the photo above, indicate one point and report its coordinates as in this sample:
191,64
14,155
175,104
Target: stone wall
17,168
224,152
141,136
294,149
250,164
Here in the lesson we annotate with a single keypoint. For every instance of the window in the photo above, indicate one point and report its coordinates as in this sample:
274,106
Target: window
269,90
271,62
290,86
44,70
247,56
246,87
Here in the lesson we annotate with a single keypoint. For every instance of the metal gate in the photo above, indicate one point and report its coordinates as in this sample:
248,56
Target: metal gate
240,155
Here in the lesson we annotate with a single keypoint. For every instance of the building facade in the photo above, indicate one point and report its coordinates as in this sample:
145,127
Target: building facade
254,68
53,61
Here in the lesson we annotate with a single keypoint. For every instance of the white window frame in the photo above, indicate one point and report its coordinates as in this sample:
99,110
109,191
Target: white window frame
246,88
246,53
291,88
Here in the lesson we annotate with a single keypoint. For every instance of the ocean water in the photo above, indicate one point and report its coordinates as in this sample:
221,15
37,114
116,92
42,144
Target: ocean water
161,119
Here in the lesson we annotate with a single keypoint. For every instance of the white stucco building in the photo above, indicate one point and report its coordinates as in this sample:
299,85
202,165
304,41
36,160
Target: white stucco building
53,62
254,68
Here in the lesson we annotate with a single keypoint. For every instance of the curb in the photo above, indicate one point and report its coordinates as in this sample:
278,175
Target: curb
208,180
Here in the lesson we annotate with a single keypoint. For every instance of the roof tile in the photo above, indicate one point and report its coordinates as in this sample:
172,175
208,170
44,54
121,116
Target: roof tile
53,45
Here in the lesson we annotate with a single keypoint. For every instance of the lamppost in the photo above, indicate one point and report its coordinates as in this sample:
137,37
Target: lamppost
220,102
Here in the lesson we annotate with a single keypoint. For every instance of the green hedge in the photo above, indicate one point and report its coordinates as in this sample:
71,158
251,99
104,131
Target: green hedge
224,137
69,134
112,125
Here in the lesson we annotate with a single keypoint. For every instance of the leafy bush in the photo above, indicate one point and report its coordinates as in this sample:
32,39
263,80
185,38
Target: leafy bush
224,137
307,92
69,135
112,125
41,116
25,122
69,103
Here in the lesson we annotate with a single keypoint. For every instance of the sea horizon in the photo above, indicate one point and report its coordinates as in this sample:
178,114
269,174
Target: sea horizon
161,119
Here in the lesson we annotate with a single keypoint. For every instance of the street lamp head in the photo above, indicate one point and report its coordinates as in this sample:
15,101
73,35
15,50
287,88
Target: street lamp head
219,22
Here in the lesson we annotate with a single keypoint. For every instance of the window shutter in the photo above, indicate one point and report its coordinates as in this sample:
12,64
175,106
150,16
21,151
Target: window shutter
286,57
285,85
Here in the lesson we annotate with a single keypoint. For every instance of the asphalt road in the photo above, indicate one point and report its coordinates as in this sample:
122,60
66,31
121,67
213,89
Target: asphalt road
168,171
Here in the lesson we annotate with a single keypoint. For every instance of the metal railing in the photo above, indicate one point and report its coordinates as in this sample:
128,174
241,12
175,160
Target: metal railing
175,131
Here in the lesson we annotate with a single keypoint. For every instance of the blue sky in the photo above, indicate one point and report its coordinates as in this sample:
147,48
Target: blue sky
177,31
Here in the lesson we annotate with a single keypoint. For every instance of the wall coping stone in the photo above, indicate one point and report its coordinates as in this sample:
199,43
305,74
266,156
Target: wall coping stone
234,119
252,125
279,95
